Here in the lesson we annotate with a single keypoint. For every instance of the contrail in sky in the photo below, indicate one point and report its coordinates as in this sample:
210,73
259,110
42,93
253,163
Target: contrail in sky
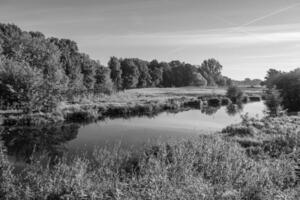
240,28
269,15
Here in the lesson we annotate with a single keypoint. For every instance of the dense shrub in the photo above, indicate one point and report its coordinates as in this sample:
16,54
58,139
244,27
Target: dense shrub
239,130
189,169
288,85
235,94
273,102
214,102
254,98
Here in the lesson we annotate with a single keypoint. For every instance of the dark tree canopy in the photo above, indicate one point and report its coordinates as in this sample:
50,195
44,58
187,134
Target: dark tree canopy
116,72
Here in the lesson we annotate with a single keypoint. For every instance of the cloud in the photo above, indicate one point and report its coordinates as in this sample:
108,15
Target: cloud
222,37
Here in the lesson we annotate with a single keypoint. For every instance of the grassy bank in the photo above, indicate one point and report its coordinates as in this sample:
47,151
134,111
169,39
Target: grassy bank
146,101
212,167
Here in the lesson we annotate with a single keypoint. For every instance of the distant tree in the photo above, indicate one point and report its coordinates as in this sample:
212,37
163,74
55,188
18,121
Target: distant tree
190,74
116,72
167,75
37,34
130,73
177,73
211,70
103,83
156,73
144,78
199,80
271,78
228,81
88,68
70,60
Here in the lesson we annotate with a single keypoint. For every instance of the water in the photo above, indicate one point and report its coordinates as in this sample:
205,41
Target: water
129,133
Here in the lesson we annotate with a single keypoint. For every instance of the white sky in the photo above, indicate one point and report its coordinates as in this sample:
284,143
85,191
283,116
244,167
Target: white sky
247,37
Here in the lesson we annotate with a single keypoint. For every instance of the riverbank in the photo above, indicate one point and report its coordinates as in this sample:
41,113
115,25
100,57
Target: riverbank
219,166
146,101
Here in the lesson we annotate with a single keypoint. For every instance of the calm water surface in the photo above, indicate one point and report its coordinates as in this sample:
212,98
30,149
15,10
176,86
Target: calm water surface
57,140
139,130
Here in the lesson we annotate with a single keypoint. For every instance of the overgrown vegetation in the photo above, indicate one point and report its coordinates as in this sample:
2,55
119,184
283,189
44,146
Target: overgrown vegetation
254,160
288,85
235,94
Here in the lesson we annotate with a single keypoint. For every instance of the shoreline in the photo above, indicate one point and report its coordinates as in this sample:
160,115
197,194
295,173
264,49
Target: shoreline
93,111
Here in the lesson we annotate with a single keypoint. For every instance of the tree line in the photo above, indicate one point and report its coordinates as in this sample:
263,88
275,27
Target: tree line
36,71
136,73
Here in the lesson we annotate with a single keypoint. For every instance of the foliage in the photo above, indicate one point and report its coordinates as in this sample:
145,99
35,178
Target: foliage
103,82
116,72
288,84
130,73
271,78
56,64
235,94
63,72
207,167
211,70
273,102
156,73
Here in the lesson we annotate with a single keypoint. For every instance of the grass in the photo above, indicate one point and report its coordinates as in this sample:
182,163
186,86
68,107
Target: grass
206,167
145,101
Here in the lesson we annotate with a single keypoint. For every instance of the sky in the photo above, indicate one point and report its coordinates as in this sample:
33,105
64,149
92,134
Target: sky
247,36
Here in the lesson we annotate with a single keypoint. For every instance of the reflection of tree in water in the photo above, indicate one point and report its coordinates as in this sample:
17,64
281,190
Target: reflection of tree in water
210,110
233,109
21,142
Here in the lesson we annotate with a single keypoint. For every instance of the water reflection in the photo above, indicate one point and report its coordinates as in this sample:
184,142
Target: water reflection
233,109
55,140
210,110
22,142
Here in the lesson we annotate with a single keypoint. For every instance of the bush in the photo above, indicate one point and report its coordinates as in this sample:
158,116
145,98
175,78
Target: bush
288,84
255,98
214,102
225,101
239,130
235,94
273,102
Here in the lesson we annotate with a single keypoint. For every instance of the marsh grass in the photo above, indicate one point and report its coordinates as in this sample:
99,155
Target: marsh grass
205,167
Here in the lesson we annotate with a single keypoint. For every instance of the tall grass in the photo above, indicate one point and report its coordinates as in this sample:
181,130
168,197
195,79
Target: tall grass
206,167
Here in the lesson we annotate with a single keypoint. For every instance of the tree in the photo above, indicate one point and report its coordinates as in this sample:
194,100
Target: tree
167,75
70,60
199,80
18,82
235,94
211,70
88,67
130,73
156,73
288,85
116,72
103,83
144,76
273,102
271,77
